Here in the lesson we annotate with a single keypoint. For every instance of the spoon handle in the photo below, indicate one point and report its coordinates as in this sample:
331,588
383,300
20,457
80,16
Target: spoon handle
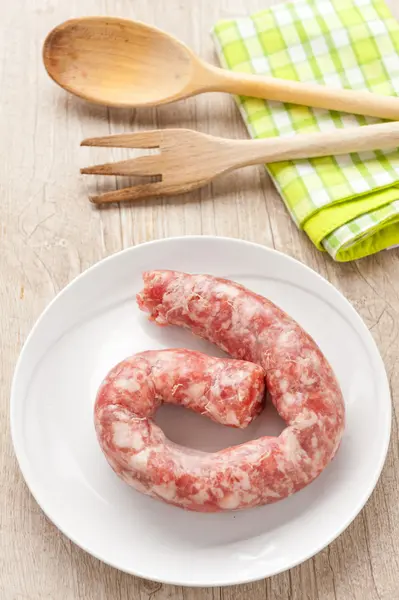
383,136
307,94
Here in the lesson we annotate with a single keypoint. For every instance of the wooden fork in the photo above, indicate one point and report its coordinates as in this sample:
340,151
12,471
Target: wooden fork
188,159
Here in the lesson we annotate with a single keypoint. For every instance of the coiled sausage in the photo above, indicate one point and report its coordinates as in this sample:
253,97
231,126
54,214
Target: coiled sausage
300,381
230,392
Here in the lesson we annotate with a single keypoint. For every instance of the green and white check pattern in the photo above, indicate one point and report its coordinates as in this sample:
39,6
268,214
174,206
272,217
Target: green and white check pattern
348,205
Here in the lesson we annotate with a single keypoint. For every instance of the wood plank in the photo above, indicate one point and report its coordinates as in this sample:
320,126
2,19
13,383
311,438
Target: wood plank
50,233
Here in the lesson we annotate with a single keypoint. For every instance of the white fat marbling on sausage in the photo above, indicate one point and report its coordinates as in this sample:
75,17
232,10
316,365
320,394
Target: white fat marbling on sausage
122,434
165,491
129,385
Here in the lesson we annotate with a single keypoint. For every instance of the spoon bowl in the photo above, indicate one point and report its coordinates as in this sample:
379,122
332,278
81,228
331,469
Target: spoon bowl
118,62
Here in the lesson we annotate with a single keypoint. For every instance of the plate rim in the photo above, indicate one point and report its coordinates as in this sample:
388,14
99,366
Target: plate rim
182,238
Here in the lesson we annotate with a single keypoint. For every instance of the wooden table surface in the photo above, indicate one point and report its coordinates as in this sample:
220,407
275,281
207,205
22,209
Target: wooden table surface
50,233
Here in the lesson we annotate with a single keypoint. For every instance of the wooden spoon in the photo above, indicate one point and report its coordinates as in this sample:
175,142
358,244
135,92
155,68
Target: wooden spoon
118,62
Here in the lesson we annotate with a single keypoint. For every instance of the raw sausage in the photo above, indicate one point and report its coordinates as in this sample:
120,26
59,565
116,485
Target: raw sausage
230,392
301,384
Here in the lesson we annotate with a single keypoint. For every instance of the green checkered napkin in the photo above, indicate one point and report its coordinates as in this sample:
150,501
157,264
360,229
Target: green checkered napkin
348,205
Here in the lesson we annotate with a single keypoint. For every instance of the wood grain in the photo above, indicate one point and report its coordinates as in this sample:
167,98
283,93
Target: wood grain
150,67
50,233
188,159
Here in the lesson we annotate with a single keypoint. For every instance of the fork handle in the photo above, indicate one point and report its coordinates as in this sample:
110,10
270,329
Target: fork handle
342,141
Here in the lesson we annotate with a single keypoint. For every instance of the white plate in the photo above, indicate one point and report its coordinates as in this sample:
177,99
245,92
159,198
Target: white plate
93,323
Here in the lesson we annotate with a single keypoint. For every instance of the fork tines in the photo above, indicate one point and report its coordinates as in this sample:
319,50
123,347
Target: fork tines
146,166
140,139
